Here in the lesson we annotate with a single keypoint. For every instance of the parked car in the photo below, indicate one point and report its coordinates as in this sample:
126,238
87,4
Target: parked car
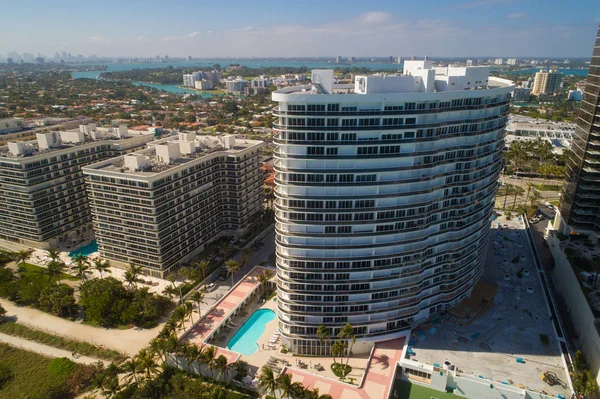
234,240
223,274
210,287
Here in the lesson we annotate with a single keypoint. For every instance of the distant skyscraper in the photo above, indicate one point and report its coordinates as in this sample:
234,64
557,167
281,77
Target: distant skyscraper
398,60
338,59
384,198
390,59
580,196
9,61
546,82
469,62
512,61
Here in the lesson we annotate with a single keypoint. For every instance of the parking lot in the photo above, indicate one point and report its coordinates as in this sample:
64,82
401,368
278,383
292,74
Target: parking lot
513,340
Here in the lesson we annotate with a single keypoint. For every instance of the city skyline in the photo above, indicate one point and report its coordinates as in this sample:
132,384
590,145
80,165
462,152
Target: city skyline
457,28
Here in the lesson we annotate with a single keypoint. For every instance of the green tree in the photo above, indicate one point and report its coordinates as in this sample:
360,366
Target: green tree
2,314
198,297
54,270
347,333
264,277
267,382
203,267
146,363
232,267
534,197
22,256
57,299
323,333
284,383
221,367
81,266
132,275
101,266
130,369
105,300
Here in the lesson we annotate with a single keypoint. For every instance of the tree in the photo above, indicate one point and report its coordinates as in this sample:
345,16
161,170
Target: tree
180,315
22,256
189,311
264,277
534,197
323,333
198,298
2,313
82,266
54,270
101,266
105,301
131,368
225,248
347,332
267,383
208,358
57,299
203,267
53,254
132,275
240,369
517,190
146,363
220,364
298,391
284,383
337,349
246,253
159,346
232,267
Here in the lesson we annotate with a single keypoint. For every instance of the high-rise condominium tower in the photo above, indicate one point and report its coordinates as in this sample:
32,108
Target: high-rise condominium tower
385,190
547,82
580,196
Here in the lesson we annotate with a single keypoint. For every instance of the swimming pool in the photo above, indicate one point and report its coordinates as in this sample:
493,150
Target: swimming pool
85,250
245,340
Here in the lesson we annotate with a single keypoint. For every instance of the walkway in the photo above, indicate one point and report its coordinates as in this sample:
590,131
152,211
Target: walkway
45,350
128,341
376,383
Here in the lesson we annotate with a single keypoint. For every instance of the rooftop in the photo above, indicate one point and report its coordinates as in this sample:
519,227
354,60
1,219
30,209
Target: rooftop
417,77
48,142
172,152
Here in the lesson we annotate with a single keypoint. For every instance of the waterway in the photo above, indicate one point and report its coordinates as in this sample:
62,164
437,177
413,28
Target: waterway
564,71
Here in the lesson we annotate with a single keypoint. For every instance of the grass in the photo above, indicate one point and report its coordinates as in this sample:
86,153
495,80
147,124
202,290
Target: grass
83,348
31,378
547,187
27,269
406,390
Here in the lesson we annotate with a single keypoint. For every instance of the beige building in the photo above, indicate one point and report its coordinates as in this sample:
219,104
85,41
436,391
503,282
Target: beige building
42,192
159,207
9,125
547,82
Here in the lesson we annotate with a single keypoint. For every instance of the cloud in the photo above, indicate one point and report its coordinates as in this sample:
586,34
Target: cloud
376,17
192,35
247,28
98,39
179,38
481,3
515,15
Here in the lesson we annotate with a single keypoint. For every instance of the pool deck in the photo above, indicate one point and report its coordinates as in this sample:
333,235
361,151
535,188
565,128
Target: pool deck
221,311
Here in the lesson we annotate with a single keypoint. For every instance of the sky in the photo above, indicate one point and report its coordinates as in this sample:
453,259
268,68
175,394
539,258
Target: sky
308,28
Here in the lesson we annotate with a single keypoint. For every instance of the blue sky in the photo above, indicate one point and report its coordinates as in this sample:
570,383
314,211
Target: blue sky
268,28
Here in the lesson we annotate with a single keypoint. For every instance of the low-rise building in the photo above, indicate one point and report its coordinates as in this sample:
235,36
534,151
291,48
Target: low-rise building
575,95
159,207
10,125
43,200
521,94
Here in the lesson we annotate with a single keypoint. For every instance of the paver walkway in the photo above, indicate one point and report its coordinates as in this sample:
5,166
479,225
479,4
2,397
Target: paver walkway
125,341
45,350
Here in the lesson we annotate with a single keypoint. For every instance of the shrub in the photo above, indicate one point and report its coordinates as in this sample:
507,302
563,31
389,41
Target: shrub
61,368
6,374
341,370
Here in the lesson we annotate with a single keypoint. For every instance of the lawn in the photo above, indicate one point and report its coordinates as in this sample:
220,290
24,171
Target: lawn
547,187
406,390
33,269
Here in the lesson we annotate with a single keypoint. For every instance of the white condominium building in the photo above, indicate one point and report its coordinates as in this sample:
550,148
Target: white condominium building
547,82
160,206
42,192
385,190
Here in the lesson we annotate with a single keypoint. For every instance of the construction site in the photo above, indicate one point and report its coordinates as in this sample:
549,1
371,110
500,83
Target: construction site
504,331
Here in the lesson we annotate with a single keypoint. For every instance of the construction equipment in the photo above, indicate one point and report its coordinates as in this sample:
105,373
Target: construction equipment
550,378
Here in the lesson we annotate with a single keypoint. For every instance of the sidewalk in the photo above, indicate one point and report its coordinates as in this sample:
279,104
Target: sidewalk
128,341
45,350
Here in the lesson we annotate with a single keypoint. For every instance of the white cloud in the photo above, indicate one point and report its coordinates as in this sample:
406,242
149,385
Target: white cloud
376,17
247,28
481,3
192,35
516,15
98,39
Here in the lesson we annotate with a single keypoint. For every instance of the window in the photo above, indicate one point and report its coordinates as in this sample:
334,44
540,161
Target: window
316,136
393,108
333,122
331,179
294,107
348,136
363,216
346,178
344,229
393,121
349,109
391,136
329,229
315,107
409,106
411,121
366,178
296,122
316,150
367,150
368,122
349,122
345,204
364,204
409,135
315,122
333,107
392,149
332,151
332,136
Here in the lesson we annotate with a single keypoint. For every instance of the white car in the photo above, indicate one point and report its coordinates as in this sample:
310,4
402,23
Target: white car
234,240
210,287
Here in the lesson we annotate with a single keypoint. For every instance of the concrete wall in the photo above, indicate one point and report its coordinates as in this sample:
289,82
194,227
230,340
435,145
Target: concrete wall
583,319
473,387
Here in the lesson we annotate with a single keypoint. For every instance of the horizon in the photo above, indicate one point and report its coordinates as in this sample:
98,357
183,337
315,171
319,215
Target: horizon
455,28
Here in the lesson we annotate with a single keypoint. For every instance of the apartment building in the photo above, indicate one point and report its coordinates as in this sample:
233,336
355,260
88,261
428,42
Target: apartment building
580,196
236,85
385,190
547,82
10,125
161,206
42,192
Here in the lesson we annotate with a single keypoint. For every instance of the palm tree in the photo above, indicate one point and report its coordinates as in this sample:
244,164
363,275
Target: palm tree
82,266
267,383
246,253
54,270
132,274
284,383
298,391
180,315
208,358
130,368
337,349
203,267
225,247
198,298
147,364
534,197
220,365
232,267
169,291
264,277
158,346
22,256
347,332
53,254
518,190
323,333
240,368
189,311
101,266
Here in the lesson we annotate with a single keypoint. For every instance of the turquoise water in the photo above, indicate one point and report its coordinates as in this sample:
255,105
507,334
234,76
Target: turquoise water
245,340
564,71
85,250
